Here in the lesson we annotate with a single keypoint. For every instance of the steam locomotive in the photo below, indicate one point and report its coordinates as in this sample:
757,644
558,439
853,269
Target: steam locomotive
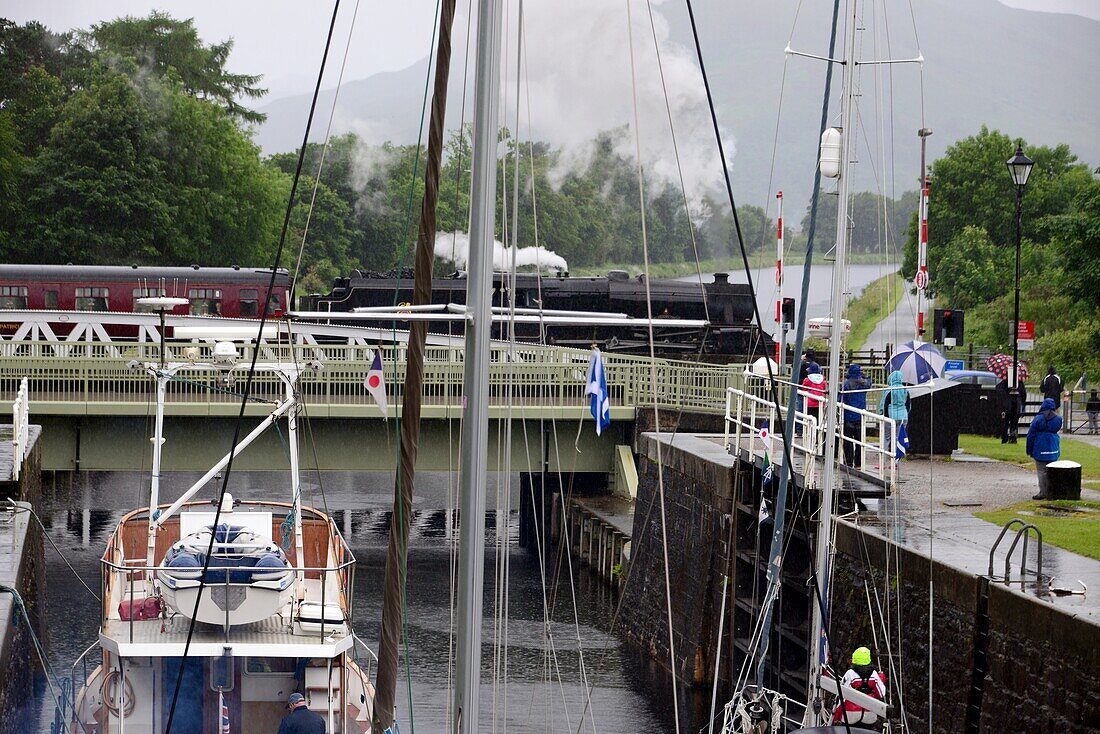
727,306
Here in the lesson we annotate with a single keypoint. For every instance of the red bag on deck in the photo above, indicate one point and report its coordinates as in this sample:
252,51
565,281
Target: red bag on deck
139,609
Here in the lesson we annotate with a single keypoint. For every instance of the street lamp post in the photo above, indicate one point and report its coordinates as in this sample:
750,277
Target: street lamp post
1019,166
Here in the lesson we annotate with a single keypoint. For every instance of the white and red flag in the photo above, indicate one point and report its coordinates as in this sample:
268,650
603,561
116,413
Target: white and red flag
376,384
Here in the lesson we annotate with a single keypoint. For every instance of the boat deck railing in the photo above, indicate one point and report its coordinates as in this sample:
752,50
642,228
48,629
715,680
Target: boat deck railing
129,580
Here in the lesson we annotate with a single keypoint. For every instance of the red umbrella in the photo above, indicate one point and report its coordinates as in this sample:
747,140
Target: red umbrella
999,364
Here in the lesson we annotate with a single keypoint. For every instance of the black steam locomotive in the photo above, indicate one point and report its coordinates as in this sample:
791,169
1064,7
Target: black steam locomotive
731,336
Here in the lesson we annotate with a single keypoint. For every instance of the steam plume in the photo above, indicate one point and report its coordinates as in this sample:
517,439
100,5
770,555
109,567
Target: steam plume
456,248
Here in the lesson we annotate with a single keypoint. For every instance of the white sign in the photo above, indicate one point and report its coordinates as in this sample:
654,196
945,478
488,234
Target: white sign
1026,344
921,281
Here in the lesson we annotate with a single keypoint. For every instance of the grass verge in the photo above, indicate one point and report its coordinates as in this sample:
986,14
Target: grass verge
877,301
1073,525
1014,453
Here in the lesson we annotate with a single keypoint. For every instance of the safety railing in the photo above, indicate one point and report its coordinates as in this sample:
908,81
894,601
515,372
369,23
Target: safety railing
96,373
874,441
20,425
745,416
874,444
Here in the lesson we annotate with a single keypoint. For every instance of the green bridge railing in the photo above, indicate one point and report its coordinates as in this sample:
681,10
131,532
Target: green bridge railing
97,378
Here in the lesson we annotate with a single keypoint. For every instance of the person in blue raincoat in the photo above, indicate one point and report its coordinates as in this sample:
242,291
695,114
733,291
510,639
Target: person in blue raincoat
853,394
1044,444
895,400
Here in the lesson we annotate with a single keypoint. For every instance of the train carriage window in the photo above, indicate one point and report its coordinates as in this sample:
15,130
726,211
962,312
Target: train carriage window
205,301
50,299
274,304
145,293
13,296
91,299
250,303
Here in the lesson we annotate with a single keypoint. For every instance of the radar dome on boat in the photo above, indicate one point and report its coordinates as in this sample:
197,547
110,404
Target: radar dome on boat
830,152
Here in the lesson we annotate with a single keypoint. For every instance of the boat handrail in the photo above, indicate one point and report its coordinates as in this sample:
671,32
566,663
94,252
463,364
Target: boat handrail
341,548
125,566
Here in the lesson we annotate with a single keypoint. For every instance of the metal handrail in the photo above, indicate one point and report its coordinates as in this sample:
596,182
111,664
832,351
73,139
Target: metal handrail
1023,530
20,419
99,372
752,410
1023,559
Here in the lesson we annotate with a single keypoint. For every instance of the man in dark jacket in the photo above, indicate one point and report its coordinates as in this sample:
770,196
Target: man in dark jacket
1092,410
853,394
301,720
1044,444
1053,386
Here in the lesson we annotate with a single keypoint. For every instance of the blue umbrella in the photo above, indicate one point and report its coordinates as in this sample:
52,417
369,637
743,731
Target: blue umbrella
919,362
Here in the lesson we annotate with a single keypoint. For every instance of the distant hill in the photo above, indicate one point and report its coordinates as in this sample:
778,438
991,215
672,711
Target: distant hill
1027,73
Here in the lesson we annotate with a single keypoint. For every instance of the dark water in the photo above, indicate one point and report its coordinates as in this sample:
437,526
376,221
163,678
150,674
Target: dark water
541,692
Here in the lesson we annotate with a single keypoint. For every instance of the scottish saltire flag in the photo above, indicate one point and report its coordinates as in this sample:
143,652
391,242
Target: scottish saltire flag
902,447
376,384
224,714
597,389
766,440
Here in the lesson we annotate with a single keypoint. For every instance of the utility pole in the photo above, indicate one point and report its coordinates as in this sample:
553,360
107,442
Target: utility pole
921,279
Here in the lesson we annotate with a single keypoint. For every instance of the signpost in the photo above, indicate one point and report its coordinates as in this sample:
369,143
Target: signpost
1025,333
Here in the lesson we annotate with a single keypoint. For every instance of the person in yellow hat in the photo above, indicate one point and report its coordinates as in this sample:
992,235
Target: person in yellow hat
863,677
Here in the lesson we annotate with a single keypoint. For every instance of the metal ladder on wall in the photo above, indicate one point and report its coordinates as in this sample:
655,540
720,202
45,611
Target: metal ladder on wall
973,710
1022,532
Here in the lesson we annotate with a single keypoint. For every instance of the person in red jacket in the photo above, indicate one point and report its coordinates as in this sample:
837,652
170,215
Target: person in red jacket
862,677
815,385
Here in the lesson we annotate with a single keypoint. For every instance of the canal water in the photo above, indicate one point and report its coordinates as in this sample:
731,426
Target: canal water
821,283
544,693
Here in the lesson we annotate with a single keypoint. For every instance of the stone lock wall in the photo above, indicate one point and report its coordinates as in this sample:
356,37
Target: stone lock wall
698,498
1042,663
21,669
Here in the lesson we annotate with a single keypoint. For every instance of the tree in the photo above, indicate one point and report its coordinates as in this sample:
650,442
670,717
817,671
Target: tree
1075,236
147,174
171,47
96,193
11,168
970,186
876,220
30,46
327,243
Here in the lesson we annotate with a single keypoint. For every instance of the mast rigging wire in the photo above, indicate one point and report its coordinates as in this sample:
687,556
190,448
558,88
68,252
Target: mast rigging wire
252,367
679,168
325,147
395,610
653,368
788,463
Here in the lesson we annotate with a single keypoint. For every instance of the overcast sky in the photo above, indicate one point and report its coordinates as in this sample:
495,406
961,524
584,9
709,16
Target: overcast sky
283,39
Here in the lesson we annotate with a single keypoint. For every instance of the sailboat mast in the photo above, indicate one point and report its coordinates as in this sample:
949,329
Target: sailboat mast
475,384
831,413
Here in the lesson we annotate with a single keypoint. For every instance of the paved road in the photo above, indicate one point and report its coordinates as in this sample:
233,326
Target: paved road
936,500
898,327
